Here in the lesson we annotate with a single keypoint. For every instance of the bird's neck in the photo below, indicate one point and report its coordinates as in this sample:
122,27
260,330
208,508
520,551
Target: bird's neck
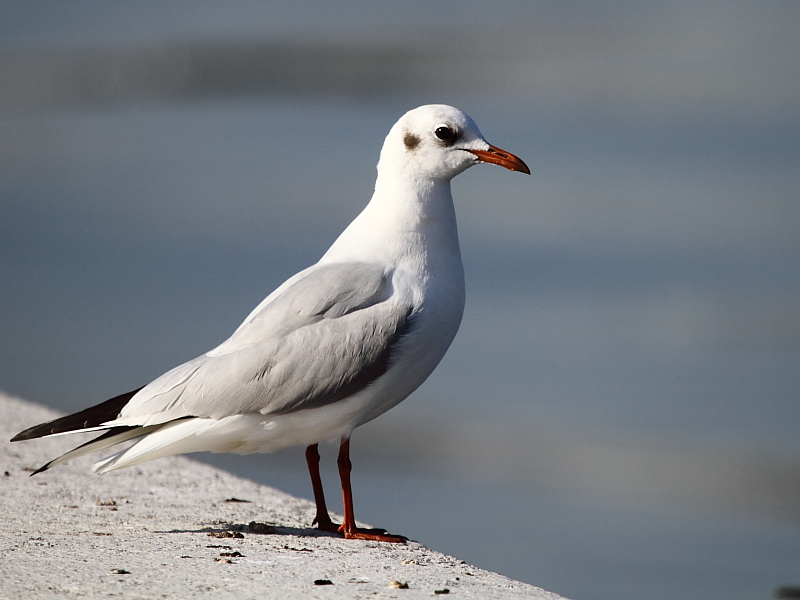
404,219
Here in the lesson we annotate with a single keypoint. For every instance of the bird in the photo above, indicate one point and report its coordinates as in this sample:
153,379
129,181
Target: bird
333,347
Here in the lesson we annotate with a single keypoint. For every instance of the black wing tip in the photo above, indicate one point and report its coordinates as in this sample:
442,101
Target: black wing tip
36,431
89,417
42,468
47,428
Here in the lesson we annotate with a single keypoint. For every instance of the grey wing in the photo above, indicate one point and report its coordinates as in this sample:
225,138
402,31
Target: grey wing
321,339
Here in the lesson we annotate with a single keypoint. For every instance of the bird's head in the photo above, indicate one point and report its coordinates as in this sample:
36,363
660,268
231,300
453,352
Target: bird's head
437,142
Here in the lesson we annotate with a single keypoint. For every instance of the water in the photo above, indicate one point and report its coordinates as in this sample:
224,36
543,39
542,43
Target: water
617,417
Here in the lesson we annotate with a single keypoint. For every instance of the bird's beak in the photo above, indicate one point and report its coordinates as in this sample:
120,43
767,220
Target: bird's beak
501,157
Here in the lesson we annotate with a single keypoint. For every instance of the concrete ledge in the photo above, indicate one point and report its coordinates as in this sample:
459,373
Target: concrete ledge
165,530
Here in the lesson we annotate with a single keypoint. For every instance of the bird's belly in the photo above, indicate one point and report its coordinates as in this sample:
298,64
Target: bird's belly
254,432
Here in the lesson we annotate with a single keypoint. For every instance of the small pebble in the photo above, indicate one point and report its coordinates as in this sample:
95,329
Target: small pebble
120,572
225,534
323,582
398,585
261,528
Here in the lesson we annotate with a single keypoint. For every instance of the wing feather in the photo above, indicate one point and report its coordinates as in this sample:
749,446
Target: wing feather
323,338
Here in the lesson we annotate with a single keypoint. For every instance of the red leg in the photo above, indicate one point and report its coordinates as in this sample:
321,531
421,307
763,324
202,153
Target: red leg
348,527
322,520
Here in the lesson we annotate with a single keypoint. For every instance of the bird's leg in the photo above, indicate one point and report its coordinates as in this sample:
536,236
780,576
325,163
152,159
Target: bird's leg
322,520
348,526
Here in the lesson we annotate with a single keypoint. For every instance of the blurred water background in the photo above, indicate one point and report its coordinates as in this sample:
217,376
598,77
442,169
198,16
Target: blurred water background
618,416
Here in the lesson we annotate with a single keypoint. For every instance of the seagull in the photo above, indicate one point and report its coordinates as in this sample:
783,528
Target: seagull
335,346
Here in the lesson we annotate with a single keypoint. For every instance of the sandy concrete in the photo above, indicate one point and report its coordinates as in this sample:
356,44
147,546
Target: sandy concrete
165,530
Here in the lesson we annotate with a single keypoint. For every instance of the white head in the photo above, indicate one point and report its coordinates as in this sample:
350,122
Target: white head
437,142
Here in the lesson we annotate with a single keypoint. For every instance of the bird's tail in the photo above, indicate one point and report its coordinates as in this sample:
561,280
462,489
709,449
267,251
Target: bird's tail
176,437
115,435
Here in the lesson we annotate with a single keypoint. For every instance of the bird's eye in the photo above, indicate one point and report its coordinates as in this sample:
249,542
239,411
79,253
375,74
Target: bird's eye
445,133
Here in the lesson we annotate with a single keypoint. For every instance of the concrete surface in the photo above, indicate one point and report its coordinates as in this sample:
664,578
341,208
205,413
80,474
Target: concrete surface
166,530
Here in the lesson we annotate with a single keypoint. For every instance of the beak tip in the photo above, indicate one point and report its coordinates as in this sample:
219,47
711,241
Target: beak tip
502,158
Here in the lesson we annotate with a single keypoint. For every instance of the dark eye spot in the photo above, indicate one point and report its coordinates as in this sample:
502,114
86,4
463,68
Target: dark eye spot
446,133
411,141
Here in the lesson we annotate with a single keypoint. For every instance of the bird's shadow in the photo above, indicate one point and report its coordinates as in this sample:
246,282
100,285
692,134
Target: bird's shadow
238,531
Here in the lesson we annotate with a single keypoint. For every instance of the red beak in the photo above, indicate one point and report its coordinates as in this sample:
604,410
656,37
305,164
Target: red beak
501,157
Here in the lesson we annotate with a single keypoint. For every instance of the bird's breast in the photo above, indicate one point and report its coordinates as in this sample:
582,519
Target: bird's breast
432,326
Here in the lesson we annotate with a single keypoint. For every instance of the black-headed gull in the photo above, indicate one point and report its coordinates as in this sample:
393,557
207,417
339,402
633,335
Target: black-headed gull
333,347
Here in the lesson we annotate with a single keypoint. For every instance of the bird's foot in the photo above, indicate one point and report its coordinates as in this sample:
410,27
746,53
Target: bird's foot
374,535
358,533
